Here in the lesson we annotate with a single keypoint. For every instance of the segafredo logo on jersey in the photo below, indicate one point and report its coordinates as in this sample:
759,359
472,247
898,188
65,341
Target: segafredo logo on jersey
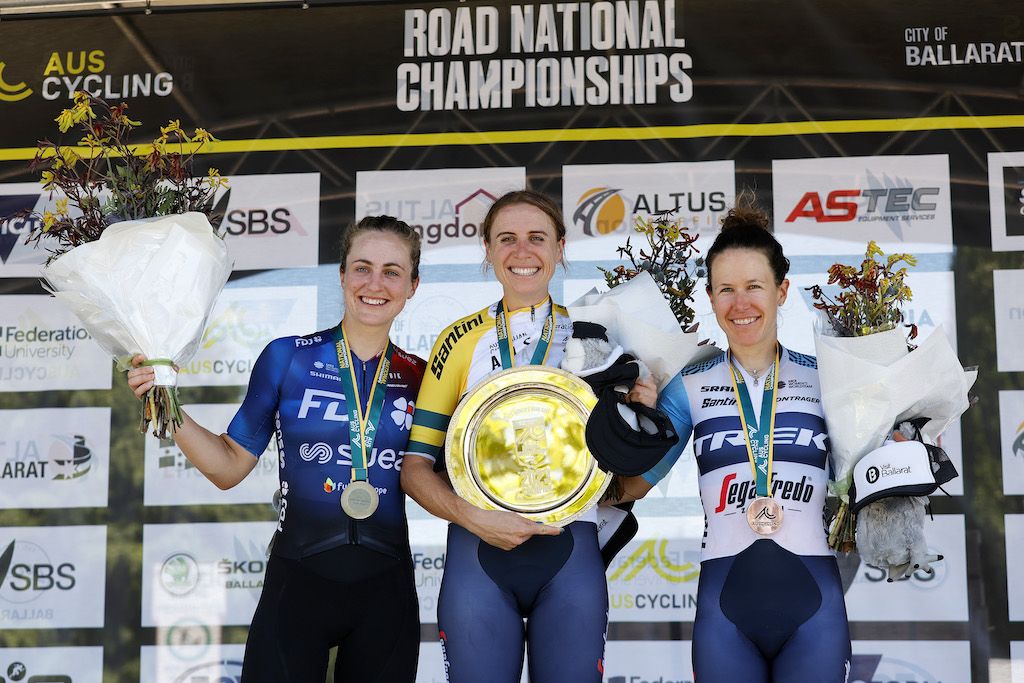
67,72
738,494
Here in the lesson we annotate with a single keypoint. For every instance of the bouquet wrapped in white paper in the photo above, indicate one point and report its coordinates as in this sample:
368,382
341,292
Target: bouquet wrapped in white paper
148,287
871,383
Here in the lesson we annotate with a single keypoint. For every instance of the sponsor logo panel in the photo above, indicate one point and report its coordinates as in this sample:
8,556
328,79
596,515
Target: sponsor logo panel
1015,567
1006,200
43,346
446,206
435,306
18,259
170,479
600,201
1011,440
211,573
941,596
1007,286
909,661
835,205
429,540
244,320
54,458
654,578
211,662
52,577
648,662
270,221
51,664
1016,661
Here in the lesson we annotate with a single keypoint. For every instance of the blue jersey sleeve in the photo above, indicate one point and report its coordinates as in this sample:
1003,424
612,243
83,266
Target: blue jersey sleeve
254,423
674,403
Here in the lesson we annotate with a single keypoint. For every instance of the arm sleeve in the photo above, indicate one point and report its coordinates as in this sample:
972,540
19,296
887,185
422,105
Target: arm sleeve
254,423
439,395
674,403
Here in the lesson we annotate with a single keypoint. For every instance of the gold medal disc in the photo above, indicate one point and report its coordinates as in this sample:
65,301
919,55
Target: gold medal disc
359,500
517,442
764,515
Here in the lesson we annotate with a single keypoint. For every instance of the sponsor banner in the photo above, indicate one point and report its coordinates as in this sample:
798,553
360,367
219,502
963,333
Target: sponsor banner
654,578
210,572
1007,286
43,346
1015,567
1016,661
429,539
431,667
1006,200
244,320
940,596
186,663
52,577
638,661
18,259
446,206
910,661
170,479
51,664
836,205
54,458
270,221
434,307
1011,440
601,201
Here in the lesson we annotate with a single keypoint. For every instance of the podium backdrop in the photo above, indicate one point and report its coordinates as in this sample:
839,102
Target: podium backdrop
902,123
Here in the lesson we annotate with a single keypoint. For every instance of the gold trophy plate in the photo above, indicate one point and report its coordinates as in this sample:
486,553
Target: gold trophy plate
517,442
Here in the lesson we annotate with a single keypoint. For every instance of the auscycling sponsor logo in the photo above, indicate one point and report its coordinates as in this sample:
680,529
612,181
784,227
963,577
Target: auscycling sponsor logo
69,71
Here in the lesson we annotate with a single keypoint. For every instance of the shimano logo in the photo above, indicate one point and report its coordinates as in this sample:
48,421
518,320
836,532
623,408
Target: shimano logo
325,404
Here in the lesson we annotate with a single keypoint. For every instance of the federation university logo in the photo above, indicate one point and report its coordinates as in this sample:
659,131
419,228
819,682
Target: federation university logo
600,211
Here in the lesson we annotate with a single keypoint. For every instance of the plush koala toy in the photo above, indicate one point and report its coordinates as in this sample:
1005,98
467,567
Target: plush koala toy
588,350
890,536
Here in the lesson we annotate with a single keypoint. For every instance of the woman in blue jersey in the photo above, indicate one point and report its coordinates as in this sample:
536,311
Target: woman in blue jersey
500,567
770,603
338,403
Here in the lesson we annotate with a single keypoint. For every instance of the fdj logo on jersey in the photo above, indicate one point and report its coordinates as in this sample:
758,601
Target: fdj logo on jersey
872,204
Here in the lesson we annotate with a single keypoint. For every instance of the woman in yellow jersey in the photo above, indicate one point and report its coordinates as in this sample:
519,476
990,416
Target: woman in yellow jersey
500,567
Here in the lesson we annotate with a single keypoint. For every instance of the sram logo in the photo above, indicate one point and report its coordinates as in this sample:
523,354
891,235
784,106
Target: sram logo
842,206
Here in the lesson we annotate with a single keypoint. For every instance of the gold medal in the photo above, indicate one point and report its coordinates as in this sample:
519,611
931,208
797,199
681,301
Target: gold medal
359,500
764,516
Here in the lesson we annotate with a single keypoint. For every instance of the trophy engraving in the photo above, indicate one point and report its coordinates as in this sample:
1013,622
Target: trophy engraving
532,456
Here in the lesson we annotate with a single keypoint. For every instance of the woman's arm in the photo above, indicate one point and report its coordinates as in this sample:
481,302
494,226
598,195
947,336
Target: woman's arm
498,528
221,460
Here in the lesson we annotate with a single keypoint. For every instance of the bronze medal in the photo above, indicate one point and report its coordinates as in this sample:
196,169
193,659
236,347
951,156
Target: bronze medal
764,515
359,500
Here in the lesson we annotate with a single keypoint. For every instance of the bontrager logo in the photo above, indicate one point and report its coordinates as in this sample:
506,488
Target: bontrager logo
600,211
12,92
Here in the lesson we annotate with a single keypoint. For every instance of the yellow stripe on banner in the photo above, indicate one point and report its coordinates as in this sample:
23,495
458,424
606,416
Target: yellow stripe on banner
704,130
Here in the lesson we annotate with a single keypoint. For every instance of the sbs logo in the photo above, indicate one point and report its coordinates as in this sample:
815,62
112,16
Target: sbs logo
29,573
600,211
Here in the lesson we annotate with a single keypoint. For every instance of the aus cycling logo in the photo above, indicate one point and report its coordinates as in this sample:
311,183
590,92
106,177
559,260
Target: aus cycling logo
654,554
18,672
12,92
319,451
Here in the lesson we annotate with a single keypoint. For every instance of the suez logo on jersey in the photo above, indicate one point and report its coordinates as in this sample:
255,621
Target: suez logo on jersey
323,453
739,494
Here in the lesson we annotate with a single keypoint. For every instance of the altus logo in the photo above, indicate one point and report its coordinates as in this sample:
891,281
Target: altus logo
600,211
654,554
12,92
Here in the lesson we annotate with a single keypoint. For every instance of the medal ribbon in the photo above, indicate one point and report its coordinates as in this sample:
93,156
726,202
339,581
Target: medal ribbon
362,425
501,325
758,432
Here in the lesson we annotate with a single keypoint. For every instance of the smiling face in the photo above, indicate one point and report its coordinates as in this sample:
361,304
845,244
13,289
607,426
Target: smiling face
746,299
377,280
523,247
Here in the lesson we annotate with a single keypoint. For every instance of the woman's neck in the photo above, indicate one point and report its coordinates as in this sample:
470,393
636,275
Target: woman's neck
514,303
364,341
755,360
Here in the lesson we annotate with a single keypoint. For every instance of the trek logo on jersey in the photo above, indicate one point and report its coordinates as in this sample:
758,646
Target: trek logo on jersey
323,404
783,436
739,494
872,204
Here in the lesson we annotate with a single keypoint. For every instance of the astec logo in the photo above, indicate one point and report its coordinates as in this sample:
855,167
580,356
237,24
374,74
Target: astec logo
600,211
12,92
893,201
